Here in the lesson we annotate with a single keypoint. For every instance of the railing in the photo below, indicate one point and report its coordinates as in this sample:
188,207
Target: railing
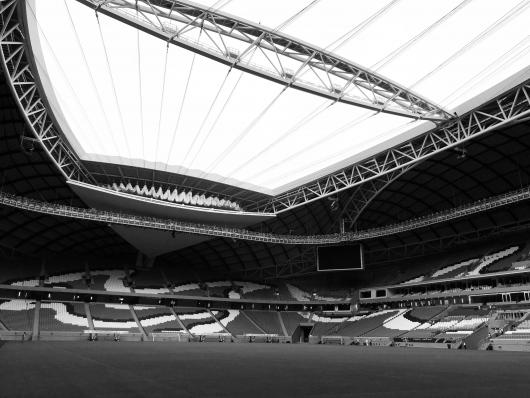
244,234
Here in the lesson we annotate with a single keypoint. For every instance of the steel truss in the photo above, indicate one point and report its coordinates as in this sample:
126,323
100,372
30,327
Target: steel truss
284,59
507,108
25,88
243,234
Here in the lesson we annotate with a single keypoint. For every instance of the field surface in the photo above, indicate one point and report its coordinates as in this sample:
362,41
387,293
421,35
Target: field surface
108,369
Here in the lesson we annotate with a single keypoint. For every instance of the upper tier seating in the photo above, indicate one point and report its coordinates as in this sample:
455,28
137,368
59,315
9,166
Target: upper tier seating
452,270
491,258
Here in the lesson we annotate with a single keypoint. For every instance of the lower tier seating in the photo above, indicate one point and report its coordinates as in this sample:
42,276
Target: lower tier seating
17,314
267,320
65,317
157,319
113,317
291,320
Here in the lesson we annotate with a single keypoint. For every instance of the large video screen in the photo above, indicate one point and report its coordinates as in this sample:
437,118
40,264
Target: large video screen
340,258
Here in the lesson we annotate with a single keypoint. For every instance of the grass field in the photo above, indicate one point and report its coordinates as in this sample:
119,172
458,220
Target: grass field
108,369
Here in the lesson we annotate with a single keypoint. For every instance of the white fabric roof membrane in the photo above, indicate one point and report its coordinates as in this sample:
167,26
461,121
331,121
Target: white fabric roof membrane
119,100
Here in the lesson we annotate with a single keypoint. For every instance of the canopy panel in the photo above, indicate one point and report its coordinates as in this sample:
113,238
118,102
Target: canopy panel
125,97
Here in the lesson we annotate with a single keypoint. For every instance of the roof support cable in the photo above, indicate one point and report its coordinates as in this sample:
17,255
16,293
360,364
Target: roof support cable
204,119
111,75
141,102
350,34
294,128
485,33
358,120
181,107
42,69
346,37
93,82
162,96
291,19
401,49
220,113
513,54
243,133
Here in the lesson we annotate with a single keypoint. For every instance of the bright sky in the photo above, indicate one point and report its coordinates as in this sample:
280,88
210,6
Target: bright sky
124,97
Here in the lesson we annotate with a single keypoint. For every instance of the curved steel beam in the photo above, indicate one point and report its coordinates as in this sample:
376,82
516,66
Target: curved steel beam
285,60
509,107
25,88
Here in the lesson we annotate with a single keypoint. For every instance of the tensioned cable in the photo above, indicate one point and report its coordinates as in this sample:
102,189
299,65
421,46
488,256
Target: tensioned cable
350,34
505,59
92,81
244,133
345,151
336,44
486,32
219,114
109,69
140,88
182,103
43,69
160,111
297,126
352,123
212,104
399,51
291,19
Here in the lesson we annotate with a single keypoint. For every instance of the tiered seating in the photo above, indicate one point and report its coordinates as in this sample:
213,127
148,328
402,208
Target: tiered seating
267,320
291,320
422,314
151,278
492,258
453,270
156,319
62,317
237,324
17,314
469,323
358,326
328,325
113,317
394,327
199,321
300,295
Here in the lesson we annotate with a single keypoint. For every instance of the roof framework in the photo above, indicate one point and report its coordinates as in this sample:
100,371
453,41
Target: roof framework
288,58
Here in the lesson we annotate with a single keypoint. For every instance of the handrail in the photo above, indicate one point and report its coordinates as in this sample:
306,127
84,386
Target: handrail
110,217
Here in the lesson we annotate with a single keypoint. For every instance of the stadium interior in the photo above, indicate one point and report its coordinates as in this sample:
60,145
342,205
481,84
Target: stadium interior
248,199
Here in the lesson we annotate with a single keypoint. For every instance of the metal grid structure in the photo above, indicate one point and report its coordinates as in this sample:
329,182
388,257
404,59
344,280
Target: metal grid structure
333,77
507,108
25,87
243,234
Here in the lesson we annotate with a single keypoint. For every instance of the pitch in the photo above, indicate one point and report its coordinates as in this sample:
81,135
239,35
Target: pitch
108,369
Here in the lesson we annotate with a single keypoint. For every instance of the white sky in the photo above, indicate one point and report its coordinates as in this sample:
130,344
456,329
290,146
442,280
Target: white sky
213,125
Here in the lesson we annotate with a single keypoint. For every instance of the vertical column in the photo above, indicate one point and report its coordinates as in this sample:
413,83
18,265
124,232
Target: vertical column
36,318
135,317
89,317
